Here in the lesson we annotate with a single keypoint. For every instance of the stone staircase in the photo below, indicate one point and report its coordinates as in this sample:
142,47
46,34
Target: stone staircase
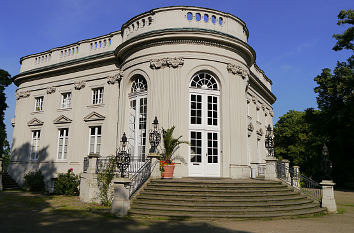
221,198
8,183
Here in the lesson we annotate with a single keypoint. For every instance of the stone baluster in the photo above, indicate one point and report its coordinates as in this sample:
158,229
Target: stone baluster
295,180
286,170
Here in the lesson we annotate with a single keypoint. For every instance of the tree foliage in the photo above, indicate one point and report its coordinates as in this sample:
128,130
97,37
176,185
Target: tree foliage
344,40
5,80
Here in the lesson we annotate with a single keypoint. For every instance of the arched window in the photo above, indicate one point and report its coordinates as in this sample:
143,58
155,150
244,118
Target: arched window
137,118
204,125
204,81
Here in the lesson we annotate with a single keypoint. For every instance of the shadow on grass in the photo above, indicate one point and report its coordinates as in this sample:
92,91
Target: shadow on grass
28,212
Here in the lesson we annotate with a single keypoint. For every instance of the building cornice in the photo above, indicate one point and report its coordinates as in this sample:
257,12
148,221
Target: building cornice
185,36
71,64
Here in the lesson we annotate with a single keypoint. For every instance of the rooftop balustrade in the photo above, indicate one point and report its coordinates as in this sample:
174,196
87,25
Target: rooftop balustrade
185,17
73,51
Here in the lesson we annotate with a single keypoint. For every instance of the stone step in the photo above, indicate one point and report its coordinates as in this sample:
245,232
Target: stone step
212,215
206,195
229,210
193,181
8,182
222,204
212,190
217,186
221,198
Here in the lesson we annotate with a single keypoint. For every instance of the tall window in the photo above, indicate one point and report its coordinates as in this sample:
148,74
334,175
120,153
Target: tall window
137,118
36,135
63,143
38,104
97,95
95,140
66,100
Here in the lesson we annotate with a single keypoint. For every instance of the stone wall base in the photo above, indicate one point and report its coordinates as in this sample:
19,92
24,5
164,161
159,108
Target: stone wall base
240,171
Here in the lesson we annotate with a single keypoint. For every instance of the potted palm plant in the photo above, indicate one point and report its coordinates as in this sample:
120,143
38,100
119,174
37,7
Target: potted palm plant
171,145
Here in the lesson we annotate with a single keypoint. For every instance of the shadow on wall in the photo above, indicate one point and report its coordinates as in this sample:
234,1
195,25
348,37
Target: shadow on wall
20,163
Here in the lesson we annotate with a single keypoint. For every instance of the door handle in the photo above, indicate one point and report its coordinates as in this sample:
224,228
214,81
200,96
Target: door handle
206,154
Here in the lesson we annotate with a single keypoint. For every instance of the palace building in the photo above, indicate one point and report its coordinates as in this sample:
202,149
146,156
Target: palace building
190,67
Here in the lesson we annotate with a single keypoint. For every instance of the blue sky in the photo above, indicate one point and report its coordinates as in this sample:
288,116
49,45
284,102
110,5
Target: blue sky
292,39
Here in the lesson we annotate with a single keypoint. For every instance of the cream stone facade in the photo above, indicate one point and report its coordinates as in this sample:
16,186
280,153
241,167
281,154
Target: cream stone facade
189,66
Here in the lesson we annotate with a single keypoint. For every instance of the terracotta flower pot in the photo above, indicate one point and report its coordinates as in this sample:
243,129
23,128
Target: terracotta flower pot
168,171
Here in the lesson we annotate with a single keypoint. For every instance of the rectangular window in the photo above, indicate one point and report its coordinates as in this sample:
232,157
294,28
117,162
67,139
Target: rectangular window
66,100
63,143
95,140
97,95
196,109
36,135
38,103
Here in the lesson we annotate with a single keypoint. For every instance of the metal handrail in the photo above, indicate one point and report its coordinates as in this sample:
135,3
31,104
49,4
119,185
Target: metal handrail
304,184
140,177
138,171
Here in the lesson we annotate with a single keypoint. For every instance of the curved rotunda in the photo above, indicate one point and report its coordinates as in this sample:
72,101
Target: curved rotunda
190,67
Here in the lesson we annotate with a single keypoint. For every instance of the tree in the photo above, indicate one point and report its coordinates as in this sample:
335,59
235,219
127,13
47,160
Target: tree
5,80
297,141
344,41
336,101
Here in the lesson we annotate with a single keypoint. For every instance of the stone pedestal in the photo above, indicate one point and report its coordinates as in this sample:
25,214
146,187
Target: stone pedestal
88,182
271,168
328,200
121,202
155,165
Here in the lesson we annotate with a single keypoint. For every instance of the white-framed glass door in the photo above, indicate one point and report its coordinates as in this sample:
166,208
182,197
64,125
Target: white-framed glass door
204,126
137,120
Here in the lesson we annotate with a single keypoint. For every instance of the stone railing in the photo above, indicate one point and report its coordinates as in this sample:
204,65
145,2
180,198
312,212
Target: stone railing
185,17
73,51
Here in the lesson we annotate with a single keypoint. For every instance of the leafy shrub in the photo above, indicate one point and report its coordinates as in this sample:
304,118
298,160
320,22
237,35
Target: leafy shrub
104,182
67,184
34,181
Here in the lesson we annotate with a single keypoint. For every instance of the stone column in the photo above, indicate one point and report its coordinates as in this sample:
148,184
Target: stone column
121,202
1,188
92,163
328,200
271,168
295,181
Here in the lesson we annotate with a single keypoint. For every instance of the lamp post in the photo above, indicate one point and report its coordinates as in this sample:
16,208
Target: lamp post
123,157
154,138
269,141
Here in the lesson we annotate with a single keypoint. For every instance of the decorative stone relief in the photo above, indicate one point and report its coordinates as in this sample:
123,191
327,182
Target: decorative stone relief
79,85
166,62
22,94
250,129
238,70
50,90
254,99
263,106
112,79
260,132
